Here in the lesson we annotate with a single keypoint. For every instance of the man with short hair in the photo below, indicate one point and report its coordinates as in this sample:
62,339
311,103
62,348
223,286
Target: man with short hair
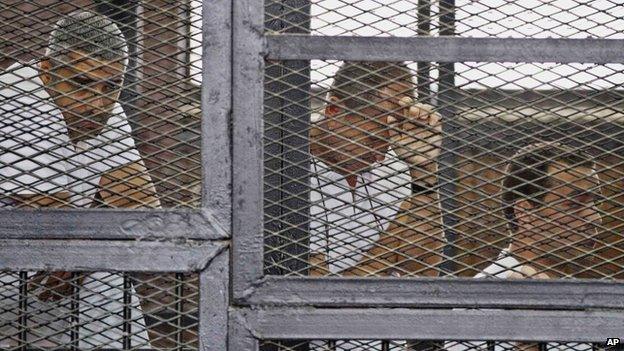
374,205
66,142
550,194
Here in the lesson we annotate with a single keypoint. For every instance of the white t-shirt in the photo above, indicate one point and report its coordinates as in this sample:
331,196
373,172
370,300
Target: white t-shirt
345,222
36,156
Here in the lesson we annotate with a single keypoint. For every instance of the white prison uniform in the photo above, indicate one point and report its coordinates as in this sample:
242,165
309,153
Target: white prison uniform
504,266
346,222
36,156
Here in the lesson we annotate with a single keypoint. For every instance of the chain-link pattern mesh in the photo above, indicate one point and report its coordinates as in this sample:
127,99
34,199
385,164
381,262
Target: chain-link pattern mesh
75,128
129,311
362,178
485,18
396,345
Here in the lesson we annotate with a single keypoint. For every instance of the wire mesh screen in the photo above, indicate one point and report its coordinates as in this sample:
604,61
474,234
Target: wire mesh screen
507,170
100,103
402,345
484,18
98,310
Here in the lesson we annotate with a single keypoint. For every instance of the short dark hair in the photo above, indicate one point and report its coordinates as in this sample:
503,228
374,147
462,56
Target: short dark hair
357,83
527,177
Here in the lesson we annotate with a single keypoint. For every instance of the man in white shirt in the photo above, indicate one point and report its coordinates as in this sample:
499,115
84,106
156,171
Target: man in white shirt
375,209
66,141
550,192
374,205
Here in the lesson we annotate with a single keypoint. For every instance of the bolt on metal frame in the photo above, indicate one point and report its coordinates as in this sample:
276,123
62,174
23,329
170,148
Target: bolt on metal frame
284,308
178,240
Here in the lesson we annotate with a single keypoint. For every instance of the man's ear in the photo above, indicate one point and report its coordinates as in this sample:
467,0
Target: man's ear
45,75
332,109
522,210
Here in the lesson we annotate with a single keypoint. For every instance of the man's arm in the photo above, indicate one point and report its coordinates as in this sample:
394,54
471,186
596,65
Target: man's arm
129,186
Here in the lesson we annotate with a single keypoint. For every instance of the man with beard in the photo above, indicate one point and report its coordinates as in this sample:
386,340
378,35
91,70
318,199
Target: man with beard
66,143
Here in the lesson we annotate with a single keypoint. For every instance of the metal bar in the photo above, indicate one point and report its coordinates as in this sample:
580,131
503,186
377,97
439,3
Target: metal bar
216,109
101,255
286,150
110,224
436,292
385,345
179,306
444,49
213,304
23,312
447,161
423,75
75,313
127,312
240,335
530,326
247,107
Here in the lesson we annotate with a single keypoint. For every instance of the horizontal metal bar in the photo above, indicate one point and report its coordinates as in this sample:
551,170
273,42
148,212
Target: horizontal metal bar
110,224
397,324
103,255
444,49
435,292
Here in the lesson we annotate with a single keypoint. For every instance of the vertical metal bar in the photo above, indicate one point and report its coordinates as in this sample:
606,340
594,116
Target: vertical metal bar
23,312
213,304
385,345
216,109
75,312
240,337
451,143
179,292
286,150
127,312
423,78
247,107
491,346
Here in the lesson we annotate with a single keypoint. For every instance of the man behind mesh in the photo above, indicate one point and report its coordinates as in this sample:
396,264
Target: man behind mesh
374,206
550,194
66,142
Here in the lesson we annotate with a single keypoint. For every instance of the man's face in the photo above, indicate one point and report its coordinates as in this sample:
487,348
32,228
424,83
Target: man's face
85,91
352,140
567,223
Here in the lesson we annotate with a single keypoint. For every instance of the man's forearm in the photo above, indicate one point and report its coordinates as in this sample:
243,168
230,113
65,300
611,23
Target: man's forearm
129,187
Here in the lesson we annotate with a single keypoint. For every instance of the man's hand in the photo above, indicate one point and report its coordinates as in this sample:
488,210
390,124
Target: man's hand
417,138
54,286
527,271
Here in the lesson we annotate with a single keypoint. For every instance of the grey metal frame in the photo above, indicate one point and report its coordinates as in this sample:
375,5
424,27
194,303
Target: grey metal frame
296,317
181,241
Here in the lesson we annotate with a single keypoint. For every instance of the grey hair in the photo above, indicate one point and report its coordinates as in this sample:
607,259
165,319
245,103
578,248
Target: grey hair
92,33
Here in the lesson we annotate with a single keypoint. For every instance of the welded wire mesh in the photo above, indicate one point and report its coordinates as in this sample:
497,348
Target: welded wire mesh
90,125
397,345
98,310
484,18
